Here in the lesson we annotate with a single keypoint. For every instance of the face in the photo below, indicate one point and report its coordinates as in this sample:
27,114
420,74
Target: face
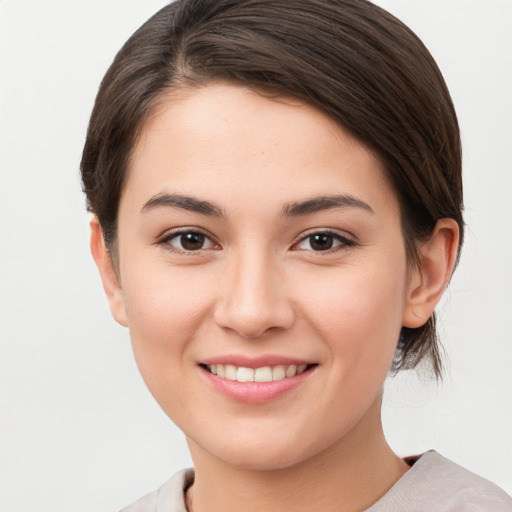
259,241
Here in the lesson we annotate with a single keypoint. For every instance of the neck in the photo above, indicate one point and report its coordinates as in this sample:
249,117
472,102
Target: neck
349,476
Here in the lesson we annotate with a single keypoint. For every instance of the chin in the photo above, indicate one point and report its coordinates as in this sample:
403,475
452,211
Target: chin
261,460
262,453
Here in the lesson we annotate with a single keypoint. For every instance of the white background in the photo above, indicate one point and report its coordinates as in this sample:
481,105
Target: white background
79,431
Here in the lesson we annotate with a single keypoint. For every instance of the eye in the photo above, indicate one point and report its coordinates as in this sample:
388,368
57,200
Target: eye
322,242
188,241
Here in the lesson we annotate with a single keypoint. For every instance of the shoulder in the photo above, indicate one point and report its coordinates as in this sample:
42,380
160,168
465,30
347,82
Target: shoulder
435,480
167,498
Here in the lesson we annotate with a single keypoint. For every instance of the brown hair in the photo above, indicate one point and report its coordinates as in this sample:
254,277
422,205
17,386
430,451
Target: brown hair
349,58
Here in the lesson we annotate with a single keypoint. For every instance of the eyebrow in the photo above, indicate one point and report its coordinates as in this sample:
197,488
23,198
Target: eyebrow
185,203
321,203
295,209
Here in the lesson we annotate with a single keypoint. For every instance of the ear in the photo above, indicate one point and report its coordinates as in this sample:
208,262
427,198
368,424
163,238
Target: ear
429,279
109,278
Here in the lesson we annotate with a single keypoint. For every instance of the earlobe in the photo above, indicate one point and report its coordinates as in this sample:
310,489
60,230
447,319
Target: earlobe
109,278
429,280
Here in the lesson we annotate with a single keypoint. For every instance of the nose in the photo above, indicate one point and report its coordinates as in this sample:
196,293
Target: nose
253,297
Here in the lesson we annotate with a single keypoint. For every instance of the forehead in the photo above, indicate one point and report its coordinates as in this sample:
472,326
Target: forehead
232,139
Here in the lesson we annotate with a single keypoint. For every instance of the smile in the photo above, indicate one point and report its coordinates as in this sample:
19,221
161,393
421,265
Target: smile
262,374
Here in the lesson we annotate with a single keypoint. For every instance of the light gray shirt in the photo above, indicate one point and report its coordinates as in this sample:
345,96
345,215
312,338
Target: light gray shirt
433,484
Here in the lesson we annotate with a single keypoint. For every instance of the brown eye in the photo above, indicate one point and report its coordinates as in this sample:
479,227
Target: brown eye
189,241
326,241
192,241
321,242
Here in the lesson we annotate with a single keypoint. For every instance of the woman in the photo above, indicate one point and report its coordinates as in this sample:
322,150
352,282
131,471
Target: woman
277,199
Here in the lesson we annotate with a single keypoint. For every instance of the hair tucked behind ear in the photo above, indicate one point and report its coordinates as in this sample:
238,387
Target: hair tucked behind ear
349,58
416,345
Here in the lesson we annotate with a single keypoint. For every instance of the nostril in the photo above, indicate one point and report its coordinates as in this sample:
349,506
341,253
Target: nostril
256,321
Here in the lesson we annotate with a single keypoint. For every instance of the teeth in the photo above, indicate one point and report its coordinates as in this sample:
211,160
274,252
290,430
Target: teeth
263,374
291,371
245,374
278,373
230,372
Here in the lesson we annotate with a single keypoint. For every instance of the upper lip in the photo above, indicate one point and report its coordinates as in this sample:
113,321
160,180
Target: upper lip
255,362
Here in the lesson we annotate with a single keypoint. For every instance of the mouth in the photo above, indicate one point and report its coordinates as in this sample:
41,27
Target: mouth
262,374
256,380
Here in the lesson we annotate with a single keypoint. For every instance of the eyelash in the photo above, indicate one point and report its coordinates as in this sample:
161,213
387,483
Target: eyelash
344,241
168,237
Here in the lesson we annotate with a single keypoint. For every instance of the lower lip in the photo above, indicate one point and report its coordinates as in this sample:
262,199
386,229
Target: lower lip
255,392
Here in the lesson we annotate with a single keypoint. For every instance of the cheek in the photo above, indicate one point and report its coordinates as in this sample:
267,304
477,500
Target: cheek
358,318
162,301
165,307
359,313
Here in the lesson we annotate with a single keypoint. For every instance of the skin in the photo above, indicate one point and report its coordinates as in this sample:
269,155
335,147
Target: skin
258,288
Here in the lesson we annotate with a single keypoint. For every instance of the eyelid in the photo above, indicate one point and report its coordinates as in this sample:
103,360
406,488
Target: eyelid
347,240
168,235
